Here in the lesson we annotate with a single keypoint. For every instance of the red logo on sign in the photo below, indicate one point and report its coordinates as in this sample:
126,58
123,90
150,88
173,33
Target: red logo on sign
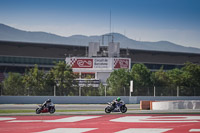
121,63
83,63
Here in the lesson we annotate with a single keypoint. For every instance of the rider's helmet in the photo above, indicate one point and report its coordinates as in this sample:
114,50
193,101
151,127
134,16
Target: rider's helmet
49,100
118,99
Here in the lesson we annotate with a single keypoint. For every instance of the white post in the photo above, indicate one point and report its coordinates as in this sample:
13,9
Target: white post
131,87
154,91
54,90
177,91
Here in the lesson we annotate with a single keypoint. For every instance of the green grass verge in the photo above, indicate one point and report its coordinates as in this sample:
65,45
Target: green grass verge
16,111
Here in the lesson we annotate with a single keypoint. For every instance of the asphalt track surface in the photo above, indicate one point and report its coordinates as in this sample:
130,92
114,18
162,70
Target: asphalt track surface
119,123
134,121
70,108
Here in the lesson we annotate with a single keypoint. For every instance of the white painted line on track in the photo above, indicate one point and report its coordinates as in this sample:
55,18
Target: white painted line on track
6,118
194,130
73,119
68,119
27,121
155,119
68,130
145,130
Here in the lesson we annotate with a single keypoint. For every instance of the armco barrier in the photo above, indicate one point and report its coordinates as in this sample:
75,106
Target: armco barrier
87,99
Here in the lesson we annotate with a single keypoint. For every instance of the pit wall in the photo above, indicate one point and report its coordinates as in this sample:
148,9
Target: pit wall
88,99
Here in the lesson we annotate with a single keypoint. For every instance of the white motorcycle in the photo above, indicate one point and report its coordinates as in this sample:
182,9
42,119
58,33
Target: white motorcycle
113,107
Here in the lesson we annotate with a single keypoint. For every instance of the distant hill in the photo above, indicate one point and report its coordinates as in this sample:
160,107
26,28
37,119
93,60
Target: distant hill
8,33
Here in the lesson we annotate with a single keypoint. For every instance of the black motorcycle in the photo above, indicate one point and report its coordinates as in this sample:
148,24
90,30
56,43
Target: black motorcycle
51,109
113,107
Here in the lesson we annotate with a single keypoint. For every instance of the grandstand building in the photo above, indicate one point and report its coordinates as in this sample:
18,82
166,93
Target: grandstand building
17,56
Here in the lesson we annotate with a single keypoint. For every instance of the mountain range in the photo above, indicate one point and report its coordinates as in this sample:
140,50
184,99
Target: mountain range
8,33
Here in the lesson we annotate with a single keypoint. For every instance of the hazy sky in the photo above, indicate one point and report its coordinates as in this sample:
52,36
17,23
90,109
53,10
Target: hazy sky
177,21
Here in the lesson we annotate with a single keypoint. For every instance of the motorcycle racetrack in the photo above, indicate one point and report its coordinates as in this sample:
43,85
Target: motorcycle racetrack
97,121
108,123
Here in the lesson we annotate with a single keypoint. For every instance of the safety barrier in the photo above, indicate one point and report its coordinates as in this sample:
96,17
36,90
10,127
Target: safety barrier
173,105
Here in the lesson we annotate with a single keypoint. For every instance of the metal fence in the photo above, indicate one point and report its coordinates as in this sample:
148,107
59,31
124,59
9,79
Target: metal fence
88,99
91,91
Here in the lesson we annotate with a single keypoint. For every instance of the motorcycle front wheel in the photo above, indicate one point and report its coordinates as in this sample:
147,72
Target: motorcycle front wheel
52,110
123,109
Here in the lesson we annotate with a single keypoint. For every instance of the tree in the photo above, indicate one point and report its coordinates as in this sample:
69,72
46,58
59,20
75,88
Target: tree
88,89
119,82
160,80
141,78
63,77
191,79
101,90
34,81
13,85
191,74
175,79
49,83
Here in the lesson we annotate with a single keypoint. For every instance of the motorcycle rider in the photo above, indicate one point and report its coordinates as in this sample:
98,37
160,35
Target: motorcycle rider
116,102
47,103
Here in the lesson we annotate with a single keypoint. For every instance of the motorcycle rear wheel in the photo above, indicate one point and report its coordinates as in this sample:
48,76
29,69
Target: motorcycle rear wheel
107,109
38,111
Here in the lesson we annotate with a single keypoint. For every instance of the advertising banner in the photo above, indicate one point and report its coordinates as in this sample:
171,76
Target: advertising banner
121,63
102,63
99,63
81,63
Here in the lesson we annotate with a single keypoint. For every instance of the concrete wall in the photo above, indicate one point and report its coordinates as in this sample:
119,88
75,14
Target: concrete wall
166,98
173,105
86,99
